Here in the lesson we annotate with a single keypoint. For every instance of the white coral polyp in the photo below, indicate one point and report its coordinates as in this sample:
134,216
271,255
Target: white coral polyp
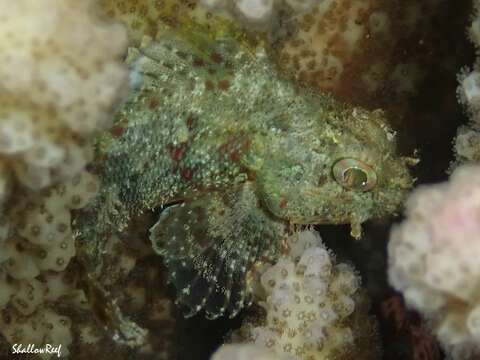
61,75
255,10
433,259
308,301
471,87
37,239
467,142
245,352
258,13
43,327
43,238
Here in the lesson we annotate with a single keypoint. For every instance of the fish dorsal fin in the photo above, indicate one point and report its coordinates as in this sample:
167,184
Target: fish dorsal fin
182,56
209,244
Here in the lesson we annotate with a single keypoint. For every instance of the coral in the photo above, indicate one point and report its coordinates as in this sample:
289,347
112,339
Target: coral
328,37
143,17
467,142
467,145
245,352
44,327
314,308
32,316
61,77
261,14
367,52
37,235
433,259
124,311
36,245
152,18
147,301
406,325
469,89
128,298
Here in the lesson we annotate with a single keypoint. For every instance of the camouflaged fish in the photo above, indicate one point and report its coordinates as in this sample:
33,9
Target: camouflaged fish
235,154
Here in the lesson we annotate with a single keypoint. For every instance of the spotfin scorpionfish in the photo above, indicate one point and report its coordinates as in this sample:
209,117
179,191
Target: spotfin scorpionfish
235,155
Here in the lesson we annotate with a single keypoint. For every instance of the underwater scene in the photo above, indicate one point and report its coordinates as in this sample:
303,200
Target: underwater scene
240,179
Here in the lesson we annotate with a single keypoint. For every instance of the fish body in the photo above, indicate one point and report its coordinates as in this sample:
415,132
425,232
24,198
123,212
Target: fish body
241,154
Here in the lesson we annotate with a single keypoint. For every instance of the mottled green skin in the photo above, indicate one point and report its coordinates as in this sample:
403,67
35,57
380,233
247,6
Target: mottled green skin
211,124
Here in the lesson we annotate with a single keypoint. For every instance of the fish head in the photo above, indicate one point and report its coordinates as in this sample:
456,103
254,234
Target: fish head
340,168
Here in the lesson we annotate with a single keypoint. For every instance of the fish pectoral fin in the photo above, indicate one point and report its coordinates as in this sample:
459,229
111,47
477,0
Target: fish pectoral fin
179,236
208,245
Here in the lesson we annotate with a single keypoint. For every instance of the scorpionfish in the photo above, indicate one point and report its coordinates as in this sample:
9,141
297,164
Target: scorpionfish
233,156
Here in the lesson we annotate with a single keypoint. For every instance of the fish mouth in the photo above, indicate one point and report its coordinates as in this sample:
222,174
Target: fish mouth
281,215
313,219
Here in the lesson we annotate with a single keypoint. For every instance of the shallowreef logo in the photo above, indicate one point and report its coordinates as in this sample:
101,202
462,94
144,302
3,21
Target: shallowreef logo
33,349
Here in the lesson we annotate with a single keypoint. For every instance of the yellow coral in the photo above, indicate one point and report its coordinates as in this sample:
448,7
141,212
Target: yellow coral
360,49
151,17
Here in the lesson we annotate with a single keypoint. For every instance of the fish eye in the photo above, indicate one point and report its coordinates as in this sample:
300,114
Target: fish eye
354,174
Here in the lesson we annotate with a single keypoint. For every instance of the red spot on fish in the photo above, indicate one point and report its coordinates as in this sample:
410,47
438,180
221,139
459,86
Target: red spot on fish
153,103
234,148
216,57
223,85
209,85
190,122
176,152
234,156
198,62
282,203
186,174
117,131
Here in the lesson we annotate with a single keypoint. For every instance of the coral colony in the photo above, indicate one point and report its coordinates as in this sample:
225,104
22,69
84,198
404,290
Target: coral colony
171,161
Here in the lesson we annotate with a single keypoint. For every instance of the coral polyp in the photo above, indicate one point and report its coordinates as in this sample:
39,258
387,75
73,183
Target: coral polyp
312,308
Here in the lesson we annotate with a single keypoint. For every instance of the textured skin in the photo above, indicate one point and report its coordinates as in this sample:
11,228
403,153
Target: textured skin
214,127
